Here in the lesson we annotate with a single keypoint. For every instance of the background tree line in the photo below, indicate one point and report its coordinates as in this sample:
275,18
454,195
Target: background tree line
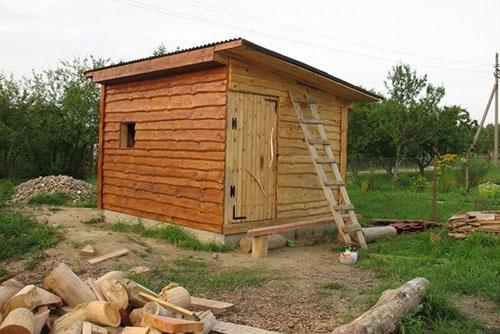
410,125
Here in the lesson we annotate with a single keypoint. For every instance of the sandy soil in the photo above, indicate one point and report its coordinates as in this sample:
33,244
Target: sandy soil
292,301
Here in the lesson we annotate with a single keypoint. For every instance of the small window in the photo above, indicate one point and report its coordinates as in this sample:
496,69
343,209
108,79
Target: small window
127,135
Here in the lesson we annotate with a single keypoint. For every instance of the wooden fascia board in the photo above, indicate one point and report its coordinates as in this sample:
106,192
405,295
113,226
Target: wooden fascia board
155,65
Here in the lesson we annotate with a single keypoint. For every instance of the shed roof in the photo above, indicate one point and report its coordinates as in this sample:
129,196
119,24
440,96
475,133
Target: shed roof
208,55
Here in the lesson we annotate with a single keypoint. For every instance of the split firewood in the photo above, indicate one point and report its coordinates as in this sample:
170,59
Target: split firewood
27,298
67,321
19,321
392,306
133,290
95,288
74,328
117,275
8,289
135,317
172,307
102,313
135,330
115,293
172,325
66,284
208,319
217,307
40,320
87,250
90,328
177,295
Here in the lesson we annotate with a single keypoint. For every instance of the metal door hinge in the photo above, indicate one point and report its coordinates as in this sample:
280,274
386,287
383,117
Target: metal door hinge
234,123
232,191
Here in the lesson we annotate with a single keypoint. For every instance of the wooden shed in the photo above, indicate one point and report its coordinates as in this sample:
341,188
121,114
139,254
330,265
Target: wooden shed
207,138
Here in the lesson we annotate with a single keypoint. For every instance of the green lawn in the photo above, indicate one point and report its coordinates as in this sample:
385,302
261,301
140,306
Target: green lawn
467,267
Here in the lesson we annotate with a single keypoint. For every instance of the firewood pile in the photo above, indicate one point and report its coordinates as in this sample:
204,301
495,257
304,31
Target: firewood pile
110,304
460,225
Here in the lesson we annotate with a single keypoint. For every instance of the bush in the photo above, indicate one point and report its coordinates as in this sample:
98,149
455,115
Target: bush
489,190
492,175
6,191
403,181
478,168
49,199
421,183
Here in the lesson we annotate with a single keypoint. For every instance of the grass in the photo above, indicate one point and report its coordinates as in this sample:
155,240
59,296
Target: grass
171,234
20,236
200,278
57,199
332,286
6,190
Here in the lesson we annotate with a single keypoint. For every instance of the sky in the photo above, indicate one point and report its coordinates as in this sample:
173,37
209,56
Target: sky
453,42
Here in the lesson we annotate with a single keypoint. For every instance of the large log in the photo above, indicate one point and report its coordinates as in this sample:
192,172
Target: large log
8,289
19,321
176,295
68,286
102,313
133,290
384,316
115,293
372,233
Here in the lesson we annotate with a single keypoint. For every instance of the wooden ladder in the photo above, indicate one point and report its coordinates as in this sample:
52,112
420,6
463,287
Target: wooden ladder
352,225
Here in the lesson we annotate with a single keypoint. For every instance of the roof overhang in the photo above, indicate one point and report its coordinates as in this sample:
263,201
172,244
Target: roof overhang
208,56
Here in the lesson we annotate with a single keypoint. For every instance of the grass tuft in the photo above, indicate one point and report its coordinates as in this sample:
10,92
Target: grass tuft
200,278
332,286
6,191
171,234
58,199
20,235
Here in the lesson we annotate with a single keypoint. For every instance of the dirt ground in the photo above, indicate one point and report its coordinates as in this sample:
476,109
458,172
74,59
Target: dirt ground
291,301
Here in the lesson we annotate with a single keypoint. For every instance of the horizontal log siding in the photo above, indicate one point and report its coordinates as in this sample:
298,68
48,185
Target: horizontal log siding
175,172
299,193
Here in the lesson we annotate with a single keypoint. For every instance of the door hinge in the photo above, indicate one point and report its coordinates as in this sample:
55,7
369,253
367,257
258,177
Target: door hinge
234,123
232,191
234,214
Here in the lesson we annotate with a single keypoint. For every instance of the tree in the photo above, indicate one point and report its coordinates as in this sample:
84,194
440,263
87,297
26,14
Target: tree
160,50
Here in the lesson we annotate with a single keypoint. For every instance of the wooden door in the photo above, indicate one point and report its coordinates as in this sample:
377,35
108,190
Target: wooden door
251,157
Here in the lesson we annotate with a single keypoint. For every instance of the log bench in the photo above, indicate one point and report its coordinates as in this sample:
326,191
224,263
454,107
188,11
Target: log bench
260,235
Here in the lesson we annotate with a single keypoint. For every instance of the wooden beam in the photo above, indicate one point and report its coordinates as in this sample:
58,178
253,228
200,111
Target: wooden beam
100,147
105,257
217,307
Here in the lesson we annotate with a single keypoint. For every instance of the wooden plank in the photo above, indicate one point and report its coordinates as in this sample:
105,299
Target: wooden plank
100,147
222,327
170,306
260,246
217,307
171,325
111,255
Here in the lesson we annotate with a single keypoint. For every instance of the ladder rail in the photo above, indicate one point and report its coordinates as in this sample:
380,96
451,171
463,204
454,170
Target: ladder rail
335,207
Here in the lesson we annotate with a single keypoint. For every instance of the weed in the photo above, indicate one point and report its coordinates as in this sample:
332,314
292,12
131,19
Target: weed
89,202
3,272
200,278
333,286
20,235
34,261
58,198
171,234
6,191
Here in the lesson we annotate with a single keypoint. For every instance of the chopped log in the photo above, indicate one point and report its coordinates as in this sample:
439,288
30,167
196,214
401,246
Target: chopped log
8,289
177,295
115,293
133,290
169,306
68,320
68,286
40,319
135,330
73,328
172,325
117,253
208,319
275,241
95,288
102,313
27,298
391,307
222,327
19,321
90,328
372,233
117,275
202,304
87,250
157,309
135,317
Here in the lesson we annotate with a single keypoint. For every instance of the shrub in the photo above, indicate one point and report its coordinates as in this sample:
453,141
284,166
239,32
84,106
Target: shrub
489,190
478,168
49,199
403,181
421,183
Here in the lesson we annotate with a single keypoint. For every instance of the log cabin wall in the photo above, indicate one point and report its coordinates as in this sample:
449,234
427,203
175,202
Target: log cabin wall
175,171
299,193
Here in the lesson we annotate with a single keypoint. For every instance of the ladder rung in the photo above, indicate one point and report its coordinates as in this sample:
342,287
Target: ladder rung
334,183
318,141
311,121
351,228
327,161
343,207
304,101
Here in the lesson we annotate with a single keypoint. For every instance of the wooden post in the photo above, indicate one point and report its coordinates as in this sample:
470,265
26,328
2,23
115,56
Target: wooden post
434,188
259,246
497,75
